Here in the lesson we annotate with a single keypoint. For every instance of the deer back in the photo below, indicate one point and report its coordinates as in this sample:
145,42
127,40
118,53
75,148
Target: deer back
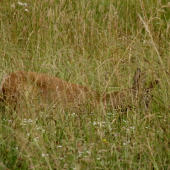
41,88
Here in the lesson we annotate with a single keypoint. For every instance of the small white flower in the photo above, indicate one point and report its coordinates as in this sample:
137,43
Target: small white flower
44,154
59,146
30,121
13,5
36,138
133,127
73,114
88,152
22,4
95,123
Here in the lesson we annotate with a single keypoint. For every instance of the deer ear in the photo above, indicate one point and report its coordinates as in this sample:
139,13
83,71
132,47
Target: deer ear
136,78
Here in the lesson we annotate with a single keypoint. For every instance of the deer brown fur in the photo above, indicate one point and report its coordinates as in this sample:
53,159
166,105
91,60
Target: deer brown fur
41,89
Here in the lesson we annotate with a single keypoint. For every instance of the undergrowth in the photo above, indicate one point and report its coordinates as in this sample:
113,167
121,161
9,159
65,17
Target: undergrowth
98,44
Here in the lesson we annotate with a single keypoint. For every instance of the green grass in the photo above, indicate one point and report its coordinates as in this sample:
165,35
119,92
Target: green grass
98,44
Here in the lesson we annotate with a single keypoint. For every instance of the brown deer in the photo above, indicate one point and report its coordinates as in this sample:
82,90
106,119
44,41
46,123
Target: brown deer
19,87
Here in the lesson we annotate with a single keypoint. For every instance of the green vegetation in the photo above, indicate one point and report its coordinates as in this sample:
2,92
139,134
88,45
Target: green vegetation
97,43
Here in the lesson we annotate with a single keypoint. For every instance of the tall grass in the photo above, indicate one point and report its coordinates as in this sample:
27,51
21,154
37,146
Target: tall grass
98,44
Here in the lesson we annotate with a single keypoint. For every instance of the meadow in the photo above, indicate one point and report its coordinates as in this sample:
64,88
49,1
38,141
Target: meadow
99,44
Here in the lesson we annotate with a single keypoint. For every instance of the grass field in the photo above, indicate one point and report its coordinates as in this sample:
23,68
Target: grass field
97,43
